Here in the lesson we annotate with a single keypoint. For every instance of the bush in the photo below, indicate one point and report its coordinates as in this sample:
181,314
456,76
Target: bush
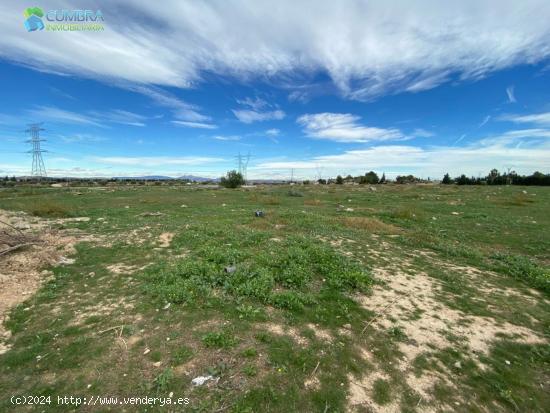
232,179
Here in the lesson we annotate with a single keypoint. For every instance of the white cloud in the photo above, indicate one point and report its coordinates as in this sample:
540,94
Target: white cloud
367,48
422,133
227,138
81,137
180,109
148,161
511,94
249,116
92,117
53,114
273,132
485,120
344,127
119,116
542,119
497,151
198,125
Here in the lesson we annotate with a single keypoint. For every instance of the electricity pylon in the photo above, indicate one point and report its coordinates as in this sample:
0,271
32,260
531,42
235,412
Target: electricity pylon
38,168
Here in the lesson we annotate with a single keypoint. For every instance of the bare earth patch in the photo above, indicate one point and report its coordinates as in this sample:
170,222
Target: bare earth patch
21,271
409,302
165,239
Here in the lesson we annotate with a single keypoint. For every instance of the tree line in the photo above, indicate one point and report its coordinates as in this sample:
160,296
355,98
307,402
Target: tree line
496,178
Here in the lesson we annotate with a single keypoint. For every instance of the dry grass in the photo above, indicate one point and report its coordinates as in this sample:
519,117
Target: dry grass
313,202
371,225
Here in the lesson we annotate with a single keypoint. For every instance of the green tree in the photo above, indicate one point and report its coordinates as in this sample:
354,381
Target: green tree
339,180
371,177
232,179
446,179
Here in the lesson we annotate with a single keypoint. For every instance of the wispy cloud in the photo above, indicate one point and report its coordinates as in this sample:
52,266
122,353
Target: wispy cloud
198,125
180,109
151,161
227,138
511,94
460,138
367,51
485,120
250,116
257,110
81,137
54,114
91,117
344,127
122,117
542,119
273,132
421,133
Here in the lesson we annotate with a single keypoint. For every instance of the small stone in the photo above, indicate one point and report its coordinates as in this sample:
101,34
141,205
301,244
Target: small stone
146,351
157,364
458,365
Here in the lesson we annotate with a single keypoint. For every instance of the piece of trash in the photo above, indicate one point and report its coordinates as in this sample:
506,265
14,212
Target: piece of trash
167,306
455,213
66,261
183,206
230,269
199,381
458,365
151,214
507,362
349,210
146,351
259,214
157,364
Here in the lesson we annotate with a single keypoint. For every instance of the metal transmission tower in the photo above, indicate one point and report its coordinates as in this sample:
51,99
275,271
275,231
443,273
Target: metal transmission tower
38,168
243,165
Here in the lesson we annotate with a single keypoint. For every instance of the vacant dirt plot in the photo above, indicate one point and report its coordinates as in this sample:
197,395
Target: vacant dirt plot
403,299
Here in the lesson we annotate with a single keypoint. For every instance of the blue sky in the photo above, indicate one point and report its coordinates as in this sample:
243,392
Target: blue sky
329,89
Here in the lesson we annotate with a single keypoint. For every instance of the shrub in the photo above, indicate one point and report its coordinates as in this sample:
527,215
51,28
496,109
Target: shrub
232,179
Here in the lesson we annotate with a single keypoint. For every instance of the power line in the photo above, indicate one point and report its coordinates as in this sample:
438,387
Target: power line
38,168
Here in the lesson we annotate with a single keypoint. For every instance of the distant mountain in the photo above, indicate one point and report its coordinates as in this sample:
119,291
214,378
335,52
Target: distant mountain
198,178
146,178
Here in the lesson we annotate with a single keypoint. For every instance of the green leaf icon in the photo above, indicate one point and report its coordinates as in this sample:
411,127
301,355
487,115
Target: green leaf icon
37,11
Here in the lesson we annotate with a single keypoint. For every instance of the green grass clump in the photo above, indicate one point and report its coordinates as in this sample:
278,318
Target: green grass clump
522,268
162,381
219,339
381,392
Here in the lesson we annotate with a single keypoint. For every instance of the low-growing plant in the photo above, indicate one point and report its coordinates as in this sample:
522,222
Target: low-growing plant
219,339
162,381
522,268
